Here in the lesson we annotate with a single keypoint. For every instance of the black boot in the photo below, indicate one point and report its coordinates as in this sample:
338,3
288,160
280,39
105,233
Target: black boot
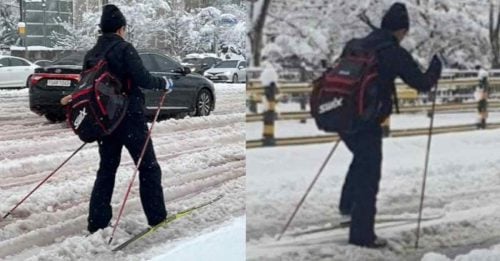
377,243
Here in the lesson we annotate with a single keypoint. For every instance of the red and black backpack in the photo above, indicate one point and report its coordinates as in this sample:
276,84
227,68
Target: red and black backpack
348,94
99,104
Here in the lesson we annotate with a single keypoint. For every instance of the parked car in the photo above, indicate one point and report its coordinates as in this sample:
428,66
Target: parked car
43,63
228,71
200,65
192,94
14,71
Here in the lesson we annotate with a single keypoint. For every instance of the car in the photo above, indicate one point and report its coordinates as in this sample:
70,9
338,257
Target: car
43,63
14,71
192,94
228,71
200,65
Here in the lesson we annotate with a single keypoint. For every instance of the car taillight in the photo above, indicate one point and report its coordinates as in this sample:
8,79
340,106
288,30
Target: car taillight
35,79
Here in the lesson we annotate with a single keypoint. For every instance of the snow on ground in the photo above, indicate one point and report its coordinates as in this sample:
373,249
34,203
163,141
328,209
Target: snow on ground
226,243
293,128
463,185
200,158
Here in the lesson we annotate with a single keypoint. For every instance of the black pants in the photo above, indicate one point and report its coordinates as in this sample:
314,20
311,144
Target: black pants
359,193
132,134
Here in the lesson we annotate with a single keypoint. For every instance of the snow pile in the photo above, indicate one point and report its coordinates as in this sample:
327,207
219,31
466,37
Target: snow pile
474,255
226,243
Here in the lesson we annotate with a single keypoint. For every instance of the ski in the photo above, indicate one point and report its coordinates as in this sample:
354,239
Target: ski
346,224
167,221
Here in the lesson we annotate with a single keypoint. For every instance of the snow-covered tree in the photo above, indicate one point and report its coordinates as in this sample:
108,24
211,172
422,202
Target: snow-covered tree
156,24
9,16
318,29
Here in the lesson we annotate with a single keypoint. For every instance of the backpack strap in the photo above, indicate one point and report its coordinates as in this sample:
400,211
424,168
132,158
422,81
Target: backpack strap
110,48
379,48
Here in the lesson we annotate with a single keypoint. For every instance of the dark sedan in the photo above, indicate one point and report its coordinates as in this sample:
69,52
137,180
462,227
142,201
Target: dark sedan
192,94
200,65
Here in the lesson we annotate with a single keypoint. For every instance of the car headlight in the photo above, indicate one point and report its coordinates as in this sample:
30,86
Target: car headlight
193,69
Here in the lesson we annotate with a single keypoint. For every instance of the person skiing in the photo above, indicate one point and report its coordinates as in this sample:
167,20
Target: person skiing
359,192
125,63
481,96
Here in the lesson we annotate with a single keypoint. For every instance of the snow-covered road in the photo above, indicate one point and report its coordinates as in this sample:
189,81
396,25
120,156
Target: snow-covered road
200,158
463,185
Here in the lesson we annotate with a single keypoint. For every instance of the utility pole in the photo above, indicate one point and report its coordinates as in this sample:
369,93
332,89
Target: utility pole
23,42
44,23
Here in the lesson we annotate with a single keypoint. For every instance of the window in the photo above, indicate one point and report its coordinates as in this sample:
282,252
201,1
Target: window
147,61
18,62
4,62
191,60
244,64
166,64
226,64
72,59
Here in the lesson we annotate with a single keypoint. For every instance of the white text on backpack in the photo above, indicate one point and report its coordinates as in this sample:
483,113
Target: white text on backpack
80,118
331,105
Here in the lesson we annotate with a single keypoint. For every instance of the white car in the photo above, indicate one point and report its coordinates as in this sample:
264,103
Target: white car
228,71
14,71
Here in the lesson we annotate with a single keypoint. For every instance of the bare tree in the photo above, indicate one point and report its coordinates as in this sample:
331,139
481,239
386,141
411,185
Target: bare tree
256,32
494,28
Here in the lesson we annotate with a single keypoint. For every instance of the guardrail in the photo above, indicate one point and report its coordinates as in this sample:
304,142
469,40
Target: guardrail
454,88
394,133
256,87
301,115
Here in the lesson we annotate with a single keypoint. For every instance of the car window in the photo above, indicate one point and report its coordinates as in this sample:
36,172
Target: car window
244,64
5,62
18,62
226,64
149,63
191,60
166,64
211,61
72,59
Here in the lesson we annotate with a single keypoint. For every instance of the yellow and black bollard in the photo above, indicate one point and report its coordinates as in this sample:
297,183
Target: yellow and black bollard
386,127
253,103
303,105
270,115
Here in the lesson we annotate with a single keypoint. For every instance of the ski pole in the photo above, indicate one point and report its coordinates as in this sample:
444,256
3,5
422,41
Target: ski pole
137,165
44,180
422,194
309,189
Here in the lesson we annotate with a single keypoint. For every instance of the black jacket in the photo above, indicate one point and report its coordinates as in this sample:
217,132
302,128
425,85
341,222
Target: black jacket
395,61
125,63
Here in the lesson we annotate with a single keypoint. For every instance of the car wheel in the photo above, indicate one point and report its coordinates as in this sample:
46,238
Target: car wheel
203,103
235,78
55,117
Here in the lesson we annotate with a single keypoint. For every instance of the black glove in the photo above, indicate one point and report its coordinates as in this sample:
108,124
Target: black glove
435,69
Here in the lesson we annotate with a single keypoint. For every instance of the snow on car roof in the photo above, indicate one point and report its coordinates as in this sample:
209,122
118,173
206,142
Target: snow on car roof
201,55
33,48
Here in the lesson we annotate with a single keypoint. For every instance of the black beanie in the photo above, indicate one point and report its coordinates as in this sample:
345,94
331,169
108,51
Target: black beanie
111,19
396,18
